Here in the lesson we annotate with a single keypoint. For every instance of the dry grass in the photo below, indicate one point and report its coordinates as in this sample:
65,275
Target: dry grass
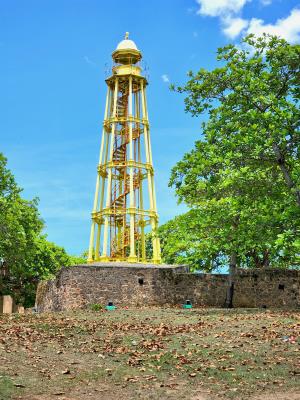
150,354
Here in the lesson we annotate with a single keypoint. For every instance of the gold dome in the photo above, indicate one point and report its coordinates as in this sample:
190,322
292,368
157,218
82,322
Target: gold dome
127,52
126,44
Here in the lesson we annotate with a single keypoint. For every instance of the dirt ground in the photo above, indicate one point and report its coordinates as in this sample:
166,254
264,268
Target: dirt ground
198,354
100,396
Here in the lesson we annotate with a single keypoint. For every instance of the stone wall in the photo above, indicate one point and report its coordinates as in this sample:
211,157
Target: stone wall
146,285
270,288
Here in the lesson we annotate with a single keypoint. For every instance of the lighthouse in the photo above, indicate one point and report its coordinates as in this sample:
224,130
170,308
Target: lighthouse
124,215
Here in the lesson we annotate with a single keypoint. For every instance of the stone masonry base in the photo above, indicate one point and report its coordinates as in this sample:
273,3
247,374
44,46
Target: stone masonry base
139,285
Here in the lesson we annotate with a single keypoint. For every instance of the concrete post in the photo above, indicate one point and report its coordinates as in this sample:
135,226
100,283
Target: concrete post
20,310
7,304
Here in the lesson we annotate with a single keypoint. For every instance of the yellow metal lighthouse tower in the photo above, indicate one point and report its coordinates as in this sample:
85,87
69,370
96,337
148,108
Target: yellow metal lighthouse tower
125,204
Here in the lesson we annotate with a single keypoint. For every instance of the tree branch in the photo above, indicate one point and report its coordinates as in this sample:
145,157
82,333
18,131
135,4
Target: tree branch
285,171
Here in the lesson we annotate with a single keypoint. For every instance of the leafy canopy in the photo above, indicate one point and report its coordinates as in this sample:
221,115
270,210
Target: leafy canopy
242,178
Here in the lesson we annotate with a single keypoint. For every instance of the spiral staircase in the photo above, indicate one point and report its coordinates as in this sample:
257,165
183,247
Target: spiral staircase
120,229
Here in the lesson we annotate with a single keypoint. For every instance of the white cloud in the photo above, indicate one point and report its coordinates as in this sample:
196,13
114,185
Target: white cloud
89,61
215,8
165,78
227,11
234,26
287,28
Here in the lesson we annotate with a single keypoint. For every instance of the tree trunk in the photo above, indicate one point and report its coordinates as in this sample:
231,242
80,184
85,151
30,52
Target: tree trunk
285,171
262,260
266,259
230,287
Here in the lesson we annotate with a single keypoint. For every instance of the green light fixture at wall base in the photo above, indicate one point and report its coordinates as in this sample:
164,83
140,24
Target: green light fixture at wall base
187,305
110,306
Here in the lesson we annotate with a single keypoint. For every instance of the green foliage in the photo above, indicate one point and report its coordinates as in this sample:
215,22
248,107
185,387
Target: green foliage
242,179
184,241
96,307
25,254
81,259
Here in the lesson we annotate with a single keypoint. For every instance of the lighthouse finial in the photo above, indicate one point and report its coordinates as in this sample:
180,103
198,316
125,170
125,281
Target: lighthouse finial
126,35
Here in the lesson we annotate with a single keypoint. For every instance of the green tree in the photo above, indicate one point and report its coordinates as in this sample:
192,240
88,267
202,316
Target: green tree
25,254
243,176
183,242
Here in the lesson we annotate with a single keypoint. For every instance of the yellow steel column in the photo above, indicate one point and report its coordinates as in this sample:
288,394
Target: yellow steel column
99,225
91,245
147,147
132,256
141,205
156,238
152,200
109,179
102,196
144,101
102,162
142,221
145,126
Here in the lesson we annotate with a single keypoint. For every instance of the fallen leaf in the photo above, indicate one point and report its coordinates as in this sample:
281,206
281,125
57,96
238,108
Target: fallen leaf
66,371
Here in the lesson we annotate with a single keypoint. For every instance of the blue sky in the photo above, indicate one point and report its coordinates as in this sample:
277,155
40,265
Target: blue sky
54,54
